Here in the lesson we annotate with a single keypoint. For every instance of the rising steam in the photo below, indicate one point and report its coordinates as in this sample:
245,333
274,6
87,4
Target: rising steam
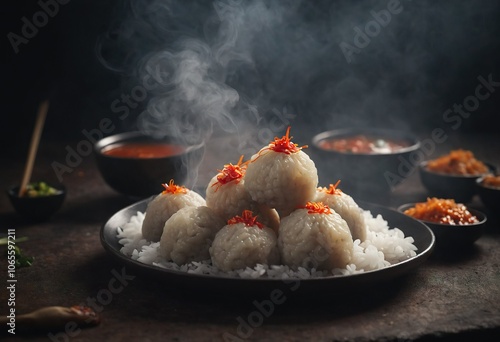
195,95
227,66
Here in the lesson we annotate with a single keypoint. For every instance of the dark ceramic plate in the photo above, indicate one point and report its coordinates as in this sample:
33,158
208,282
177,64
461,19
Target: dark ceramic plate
423,236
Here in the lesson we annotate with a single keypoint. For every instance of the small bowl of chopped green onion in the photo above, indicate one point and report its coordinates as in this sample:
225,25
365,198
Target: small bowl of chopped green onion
39,201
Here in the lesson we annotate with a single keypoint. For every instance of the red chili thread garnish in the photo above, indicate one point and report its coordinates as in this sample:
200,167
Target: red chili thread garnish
317,208
171,188
231,173
332,190
282,145
247,218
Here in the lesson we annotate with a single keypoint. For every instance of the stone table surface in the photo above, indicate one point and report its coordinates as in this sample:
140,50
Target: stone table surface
447,297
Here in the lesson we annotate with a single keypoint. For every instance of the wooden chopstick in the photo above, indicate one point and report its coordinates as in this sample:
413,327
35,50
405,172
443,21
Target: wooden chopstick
35,140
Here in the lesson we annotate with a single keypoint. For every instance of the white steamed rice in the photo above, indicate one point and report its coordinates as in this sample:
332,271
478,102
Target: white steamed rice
382,247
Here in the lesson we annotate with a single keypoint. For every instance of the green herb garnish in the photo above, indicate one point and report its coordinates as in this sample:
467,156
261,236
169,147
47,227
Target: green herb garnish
40,189
22,260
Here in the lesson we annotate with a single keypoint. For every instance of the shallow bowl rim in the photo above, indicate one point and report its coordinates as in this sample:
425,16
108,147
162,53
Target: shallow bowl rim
422,167
416,143
479,184
121,137
479,214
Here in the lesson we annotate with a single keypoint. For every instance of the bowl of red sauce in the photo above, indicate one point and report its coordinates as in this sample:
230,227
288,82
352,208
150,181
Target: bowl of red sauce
135,164
455,225
369,161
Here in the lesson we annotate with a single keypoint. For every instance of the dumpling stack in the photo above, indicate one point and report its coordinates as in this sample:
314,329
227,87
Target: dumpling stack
238,225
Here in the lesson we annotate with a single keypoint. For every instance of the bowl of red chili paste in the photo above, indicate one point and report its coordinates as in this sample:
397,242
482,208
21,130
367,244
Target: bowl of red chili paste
369,161
454,224
136,164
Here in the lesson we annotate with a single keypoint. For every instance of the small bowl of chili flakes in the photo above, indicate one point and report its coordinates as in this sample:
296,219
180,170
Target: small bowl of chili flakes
488,188
453,175
455,225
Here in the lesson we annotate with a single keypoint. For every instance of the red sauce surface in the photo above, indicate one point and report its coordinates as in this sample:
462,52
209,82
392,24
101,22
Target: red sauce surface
143,150
363,144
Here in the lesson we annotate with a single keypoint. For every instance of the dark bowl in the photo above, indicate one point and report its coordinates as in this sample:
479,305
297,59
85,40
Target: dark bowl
366,176
142,177
452,237
489,196
37,208
459,187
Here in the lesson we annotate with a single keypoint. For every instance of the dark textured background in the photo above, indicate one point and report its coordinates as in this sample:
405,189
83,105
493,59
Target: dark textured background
426,59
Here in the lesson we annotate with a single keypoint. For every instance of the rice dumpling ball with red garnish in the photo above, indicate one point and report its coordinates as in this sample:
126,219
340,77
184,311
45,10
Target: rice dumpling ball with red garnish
244,242
346,207
227,196
281,176
159,210
188,234
315,237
